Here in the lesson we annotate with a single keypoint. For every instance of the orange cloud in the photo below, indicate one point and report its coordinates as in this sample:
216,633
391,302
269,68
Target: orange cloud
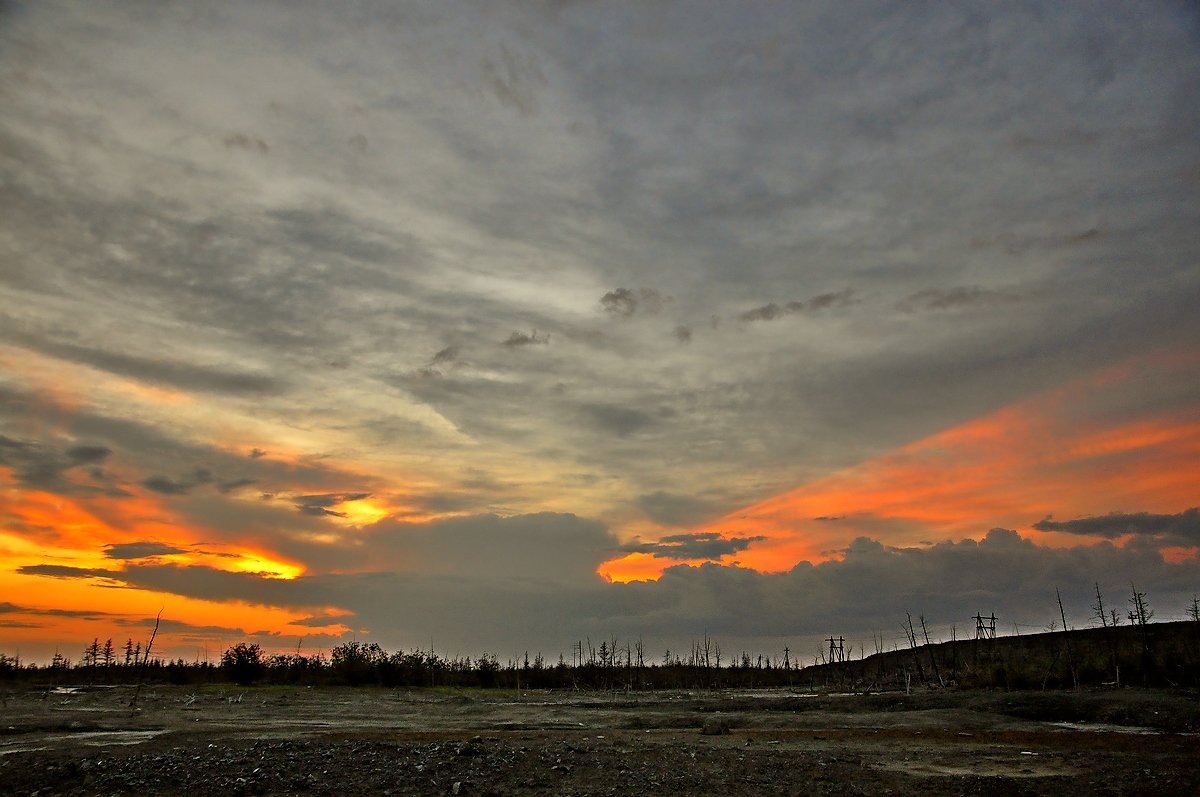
1067,453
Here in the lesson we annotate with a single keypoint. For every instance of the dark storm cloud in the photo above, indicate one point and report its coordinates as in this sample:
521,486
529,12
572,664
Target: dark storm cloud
1183,527
140,550
704,545
476,601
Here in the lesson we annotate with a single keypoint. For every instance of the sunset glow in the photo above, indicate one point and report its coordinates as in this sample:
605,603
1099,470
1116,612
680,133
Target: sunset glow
491,327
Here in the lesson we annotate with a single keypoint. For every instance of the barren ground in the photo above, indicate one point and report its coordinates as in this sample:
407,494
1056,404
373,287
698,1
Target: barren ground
273,740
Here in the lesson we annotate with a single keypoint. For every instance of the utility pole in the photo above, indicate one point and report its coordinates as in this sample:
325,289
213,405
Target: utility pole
985,627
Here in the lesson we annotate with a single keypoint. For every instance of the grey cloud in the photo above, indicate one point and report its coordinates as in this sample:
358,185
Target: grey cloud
140,550
234,485
683,334
66,571
167,486
1184,526
768,312
43,464
625,302
446,355
545,545
245,142
321,621
823,301
515,80
620,421
619,302
500,596
703,545
956,298
670,509
161,371
517,339
87,455
318,505
257,453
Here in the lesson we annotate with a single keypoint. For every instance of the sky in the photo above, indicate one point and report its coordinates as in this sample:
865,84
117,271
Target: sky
494,326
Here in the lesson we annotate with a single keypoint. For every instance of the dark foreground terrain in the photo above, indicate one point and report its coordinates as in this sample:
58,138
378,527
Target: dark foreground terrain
334,741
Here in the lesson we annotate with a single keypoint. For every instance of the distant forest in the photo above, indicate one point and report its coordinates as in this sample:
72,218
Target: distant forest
1140,654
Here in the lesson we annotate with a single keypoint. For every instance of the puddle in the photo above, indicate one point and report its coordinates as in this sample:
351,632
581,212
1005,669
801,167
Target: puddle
986,769
1103,727
102,738
6,750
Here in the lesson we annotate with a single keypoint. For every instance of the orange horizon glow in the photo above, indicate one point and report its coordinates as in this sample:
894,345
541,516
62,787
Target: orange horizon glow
1039,457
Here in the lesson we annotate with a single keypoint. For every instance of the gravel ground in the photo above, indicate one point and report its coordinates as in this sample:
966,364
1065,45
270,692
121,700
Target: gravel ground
333,741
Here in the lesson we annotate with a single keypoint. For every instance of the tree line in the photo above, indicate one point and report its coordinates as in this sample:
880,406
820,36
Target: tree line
1139,653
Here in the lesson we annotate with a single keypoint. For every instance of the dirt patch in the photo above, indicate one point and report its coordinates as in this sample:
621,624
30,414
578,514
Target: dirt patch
331,741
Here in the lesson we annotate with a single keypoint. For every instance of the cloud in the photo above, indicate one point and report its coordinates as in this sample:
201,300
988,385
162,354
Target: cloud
234,485
769,312
626,302
683,334
158,370
517,339
245,142
88,455
1183,527
671,509
504,584
550,546
960,297
702,545
140,550
318,505
443,356
45,465
167,486
67,571
613,419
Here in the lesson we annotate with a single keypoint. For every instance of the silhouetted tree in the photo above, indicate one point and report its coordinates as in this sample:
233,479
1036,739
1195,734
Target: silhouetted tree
243,663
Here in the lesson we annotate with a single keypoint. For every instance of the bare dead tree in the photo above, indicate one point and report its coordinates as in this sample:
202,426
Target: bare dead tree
929,646
145,662
1067,639
1109,626
1140,615
911,633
